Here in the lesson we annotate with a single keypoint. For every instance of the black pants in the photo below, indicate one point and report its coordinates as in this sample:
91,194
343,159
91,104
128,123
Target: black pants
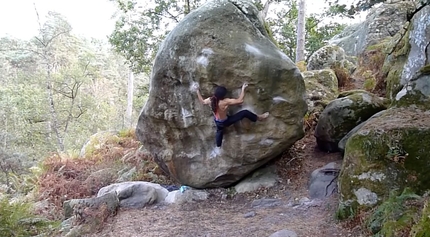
220,125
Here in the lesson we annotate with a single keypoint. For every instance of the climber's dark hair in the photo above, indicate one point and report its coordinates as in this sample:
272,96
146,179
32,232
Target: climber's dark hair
220,93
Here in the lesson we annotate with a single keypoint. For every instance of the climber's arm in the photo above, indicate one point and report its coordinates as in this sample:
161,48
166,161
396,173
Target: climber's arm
238,100
203,101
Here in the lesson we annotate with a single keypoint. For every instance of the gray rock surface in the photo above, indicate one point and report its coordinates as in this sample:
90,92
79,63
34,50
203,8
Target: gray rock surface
284,233
136,194
342,115
77,205
331,56
223,42
382,22
342,142
261,178
321,88
190,196
415,77
323,181
266,202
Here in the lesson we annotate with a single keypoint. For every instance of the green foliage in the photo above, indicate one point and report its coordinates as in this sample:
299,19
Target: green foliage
369,81
16,219
284,30
338,9
344,212
57,89
141,28
396,215
422,228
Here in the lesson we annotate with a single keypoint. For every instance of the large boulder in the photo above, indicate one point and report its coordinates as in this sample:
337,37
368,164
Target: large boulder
342,115
223,42
390,152
382,22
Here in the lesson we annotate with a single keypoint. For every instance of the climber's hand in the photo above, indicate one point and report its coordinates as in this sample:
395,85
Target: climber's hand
245,85
195,86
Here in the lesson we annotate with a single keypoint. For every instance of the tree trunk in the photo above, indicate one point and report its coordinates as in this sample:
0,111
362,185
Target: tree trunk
53,124
300,50
263,13
187,7
129,110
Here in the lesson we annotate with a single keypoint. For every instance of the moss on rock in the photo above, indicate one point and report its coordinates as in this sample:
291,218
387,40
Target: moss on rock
342,115
399,49
396,215
415,93
422,228
389,152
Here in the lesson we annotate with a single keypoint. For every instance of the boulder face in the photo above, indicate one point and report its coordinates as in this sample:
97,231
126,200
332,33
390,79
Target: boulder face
223,42
342,115
382,22
390,152
415,77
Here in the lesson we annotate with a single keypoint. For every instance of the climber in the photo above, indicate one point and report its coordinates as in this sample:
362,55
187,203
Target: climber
219,105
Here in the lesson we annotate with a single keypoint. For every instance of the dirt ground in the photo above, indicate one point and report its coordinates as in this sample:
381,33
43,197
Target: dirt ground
237,215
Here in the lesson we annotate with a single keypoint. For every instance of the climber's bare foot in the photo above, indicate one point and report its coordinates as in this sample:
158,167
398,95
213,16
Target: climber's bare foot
262,117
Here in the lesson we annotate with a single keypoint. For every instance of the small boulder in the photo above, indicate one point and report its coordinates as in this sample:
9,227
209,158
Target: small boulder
342,115
76,205
188,196
323,181
136,194
262,178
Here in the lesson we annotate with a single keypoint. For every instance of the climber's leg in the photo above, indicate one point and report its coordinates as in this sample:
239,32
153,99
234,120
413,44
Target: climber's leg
219,133
245,114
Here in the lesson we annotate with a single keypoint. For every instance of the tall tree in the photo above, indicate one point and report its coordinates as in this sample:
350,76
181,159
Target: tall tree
301,31
129,110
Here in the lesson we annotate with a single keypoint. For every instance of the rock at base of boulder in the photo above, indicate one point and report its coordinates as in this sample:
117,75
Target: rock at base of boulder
262,178
323,181
188,196
136,194
109,199
284,233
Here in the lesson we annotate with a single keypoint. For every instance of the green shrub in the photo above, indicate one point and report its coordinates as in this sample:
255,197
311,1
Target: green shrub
16,219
